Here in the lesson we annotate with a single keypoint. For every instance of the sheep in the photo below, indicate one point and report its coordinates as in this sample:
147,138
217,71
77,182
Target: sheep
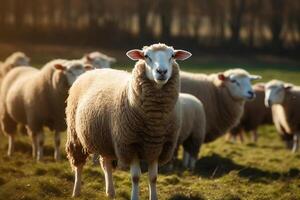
223,96
128,117
98,60
192,128
255,114
14,60
284,100
36,98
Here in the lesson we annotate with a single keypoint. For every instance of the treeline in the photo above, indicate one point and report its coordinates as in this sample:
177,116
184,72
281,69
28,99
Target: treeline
211,23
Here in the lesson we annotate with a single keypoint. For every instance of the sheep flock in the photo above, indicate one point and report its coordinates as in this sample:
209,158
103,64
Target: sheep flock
142,117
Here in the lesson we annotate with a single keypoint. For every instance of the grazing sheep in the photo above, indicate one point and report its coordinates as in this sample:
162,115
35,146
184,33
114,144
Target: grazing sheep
255,114
126,117
284,100
36,98
223,96
98,60
192,129
14,60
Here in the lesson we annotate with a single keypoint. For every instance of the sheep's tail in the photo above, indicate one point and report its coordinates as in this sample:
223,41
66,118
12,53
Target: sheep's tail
75,152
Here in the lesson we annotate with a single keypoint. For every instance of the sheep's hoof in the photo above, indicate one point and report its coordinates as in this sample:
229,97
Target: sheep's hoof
111,194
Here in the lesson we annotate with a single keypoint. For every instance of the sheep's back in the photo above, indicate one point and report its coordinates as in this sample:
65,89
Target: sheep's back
192,115
14,91
98,96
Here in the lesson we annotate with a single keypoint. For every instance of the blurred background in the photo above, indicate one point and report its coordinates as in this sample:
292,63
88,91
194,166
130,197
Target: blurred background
262,36
268,26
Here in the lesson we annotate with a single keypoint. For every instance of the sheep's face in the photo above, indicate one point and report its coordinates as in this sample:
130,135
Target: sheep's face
239,85
72,70
275,92
158,61
99,60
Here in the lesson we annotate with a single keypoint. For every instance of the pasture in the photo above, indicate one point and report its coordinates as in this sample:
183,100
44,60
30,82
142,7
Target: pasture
265,170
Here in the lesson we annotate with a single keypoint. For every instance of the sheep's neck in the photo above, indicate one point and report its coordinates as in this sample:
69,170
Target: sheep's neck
155,105
228,113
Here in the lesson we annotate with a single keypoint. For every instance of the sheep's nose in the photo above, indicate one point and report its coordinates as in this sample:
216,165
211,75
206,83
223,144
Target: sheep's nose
161,71
251,94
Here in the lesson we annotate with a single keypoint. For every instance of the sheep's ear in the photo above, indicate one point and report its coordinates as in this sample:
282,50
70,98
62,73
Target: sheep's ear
88,67
222,77
181,54
255,77
59,66
135,54
288,86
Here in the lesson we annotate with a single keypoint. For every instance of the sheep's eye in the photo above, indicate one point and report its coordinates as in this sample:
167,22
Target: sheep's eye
233,81
147,57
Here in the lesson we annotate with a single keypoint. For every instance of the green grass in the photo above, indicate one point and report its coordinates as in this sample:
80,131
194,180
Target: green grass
265,170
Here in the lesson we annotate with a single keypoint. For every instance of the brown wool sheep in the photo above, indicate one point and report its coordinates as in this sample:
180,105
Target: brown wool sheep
36,98
192,128
223,96
284,100
255,114
98,60
126,117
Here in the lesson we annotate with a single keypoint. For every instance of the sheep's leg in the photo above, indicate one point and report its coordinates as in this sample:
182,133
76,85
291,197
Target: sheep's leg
186,159
254,135
77,183
135,171
152,170
11,142
40,145
241,137
107,167
34,145
57,155
295,142
228,137
193,161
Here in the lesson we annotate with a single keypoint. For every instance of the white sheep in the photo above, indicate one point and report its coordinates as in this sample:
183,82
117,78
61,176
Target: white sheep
192,128
98,60
284,100
36,98
126,117
223,96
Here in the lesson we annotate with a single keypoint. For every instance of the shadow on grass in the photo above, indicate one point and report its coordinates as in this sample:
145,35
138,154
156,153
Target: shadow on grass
216,166
184,197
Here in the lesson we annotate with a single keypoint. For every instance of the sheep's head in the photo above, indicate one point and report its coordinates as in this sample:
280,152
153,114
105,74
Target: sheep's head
159,60
72,69
238,82
275,92
19,59
98,60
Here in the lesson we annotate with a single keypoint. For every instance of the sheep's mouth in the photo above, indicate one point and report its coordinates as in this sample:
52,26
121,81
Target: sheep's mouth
162,78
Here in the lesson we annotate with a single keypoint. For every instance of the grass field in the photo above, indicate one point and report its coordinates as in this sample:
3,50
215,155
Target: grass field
265,170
